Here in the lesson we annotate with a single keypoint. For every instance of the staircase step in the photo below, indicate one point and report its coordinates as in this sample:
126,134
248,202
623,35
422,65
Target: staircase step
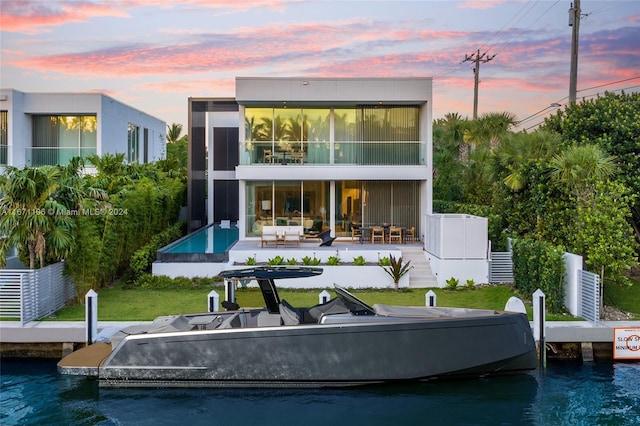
421,275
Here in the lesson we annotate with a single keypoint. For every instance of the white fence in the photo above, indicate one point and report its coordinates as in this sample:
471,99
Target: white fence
589,296
457,236
29,294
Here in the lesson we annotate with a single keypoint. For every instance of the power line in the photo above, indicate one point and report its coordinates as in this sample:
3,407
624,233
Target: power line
610,84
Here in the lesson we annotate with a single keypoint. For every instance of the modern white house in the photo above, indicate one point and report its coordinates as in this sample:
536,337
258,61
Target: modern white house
316,152
338,154
51,128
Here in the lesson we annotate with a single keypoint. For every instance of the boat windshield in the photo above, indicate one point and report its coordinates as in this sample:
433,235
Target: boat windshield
355,305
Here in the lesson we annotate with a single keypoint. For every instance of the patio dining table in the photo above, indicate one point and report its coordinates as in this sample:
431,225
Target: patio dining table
365,233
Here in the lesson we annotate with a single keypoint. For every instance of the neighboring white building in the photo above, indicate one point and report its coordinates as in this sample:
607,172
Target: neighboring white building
318,152
50,128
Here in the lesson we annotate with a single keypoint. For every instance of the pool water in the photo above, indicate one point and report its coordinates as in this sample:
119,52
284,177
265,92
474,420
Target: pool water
211,239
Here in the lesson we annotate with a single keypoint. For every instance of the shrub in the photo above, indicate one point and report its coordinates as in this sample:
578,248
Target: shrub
452,283
471,284
142,258
333,261
291,261
250,261
396,269
538,264
278,260
148,281
384,261
359,261
308,261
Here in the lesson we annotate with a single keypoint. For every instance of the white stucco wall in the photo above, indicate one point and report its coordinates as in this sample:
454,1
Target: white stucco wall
112,116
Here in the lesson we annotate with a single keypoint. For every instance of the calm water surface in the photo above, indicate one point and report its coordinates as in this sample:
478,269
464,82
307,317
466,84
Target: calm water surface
32,393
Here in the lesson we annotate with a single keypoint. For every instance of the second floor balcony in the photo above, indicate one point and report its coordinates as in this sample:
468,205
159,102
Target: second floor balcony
51,156
351,153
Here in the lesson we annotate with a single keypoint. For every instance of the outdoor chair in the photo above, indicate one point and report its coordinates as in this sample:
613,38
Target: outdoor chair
395,235
356,232
410,234
291,237
377,233
269,236
326,238
267,156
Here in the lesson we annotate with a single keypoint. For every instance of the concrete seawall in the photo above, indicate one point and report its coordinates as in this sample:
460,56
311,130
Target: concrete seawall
565,340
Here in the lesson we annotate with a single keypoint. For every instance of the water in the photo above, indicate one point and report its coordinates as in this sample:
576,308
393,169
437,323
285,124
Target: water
32,393
211,239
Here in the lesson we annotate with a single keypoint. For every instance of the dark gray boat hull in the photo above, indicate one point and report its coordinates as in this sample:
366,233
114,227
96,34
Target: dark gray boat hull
384,350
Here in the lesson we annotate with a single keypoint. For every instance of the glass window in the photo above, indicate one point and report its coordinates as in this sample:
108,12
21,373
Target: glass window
346,127
258,206
348,206
286,203
133,143
395,202
259,134
258,124
57,139
316,128
315,206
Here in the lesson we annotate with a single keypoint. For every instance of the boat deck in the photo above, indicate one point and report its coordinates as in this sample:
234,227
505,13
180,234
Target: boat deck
85,361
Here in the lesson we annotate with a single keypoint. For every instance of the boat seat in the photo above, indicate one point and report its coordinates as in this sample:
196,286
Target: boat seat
289,314
265,319
232,322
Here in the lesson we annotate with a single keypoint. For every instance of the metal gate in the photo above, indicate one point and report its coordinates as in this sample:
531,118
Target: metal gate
501,267
589,296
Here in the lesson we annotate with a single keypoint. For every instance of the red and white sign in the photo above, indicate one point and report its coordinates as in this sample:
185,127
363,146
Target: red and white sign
626,343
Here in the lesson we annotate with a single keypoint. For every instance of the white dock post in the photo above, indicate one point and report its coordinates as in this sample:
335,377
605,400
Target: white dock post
91,316
213,299
538,325
324,297
430,298
230,291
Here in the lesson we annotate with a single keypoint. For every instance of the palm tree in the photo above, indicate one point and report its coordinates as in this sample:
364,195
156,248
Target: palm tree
517,151
580,167
31,216
174,133
488,129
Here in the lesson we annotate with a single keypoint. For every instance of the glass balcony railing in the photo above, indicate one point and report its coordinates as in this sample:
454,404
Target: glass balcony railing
344,152
4,155
53,156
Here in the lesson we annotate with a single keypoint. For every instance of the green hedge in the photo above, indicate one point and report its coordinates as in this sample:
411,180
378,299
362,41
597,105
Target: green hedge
539,265
142,258
157,282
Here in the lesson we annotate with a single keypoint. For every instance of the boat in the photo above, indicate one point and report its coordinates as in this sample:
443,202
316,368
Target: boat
343,342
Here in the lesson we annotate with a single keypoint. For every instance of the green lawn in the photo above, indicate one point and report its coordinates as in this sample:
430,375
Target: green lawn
122,304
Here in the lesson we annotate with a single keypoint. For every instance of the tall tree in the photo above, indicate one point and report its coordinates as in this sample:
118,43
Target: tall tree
611,121
32,219
174,133
580,168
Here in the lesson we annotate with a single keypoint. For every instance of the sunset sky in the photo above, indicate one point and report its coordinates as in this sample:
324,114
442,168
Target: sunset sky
155,54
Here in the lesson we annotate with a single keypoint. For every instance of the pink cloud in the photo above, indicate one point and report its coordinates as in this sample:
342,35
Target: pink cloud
479,4
30,17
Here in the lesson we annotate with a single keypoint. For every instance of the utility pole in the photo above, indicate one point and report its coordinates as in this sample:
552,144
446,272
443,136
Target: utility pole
477,58
574,21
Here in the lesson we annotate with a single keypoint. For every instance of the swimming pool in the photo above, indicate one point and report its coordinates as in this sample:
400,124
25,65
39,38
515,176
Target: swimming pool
209,244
